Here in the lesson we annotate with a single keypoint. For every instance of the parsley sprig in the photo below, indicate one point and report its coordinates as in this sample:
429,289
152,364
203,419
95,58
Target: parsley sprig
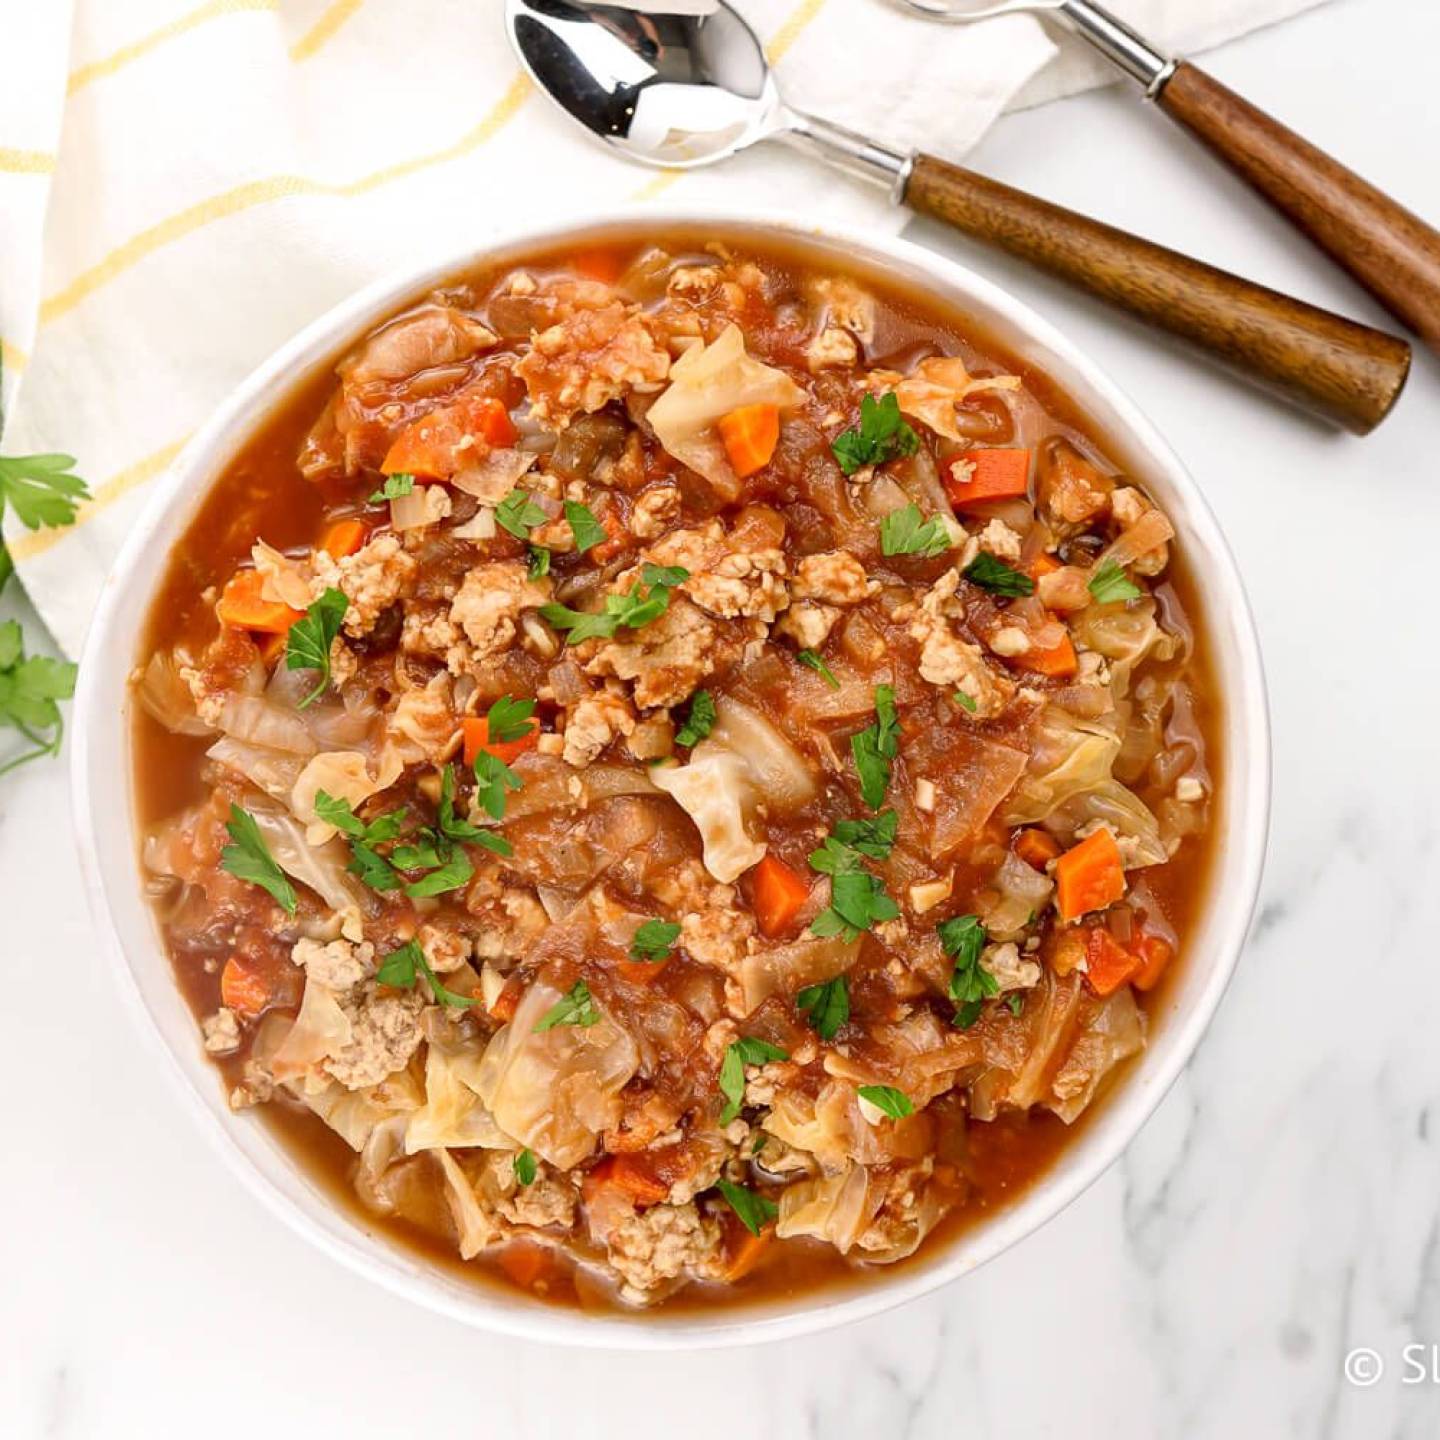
857,897
41,490
826,1006
1110,583
745,1051
394,488
963,940
400,968
875,747
308,642
248,857
575,1007
519,514
881,435
999,578
586,529
754,1211
30,687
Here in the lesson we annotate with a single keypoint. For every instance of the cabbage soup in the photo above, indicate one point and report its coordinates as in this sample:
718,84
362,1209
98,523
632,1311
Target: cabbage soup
673,772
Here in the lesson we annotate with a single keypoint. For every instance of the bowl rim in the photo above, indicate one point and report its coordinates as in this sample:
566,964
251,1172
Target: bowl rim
112,643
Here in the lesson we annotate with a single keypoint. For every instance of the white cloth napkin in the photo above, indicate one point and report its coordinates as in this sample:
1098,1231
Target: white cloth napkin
183,185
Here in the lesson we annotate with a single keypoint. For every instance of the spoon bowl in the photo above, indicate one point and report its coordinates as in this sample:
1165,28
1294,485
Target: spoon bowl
675,90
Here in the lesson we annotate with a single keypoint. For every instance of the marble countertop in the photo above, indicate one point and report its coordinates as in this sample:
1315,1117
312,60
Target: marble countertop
1282,1207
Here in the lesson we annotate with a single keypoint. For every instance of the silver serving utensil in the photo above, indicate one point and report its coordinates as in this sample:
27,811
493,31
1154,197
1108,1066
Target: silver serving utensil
1391,251
681,83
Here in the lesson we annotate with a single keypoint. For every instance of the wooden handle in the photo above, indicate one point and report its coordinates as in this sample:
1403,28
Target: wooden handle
1389,250
1344,372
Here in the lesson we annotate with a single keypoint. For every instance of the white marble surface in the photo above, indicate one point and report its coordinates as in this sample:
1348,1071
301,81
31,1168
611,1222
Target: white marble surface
1280,1208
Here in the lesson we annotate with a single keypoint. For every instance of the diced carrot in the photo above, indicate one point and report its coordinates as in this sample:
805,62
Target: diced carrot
1042,564
1108,964
750,435
343,538
476,729
1037,847
1059,660
433,447
1155,954
745,1252
780,894
244,987
997,475
243,607
630,1174
601,264
1089,876
530,1265
507,1002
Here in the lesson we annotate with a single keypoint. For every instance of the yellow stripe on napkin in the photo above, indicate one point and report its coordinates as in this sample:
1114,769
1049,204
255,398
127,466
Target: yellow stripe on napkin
324,28
26,162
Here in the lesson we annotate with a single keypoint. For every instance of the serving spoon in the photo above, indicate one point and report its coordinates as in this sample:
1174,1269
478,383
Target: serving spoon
1393,253
686,83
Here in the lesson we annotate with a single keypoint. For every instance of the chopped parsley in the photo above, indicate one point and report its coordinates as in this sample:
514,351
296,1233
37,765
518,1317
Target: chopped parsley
894,1103
857,898
451,827
1110,583
1015,1001
754,1211
963,940
519,514
509,720
394,487
814,662
449,875
539,566
653,941
906,532
575,1007
524,1166
826,1006
586,529
400,967
875,838
881,435
493,777
996,576
745,1051
638,606
41,490
307,645
964,701
874,748
700,721
248,857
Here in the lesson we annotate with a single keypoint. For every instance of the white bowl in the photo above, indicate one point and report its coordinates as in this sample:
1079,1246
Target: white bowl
105,814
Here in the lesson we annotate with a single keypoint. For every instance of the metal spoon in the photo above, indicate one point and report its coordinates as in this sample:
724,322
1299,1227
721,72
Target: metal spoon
1391,251
686,83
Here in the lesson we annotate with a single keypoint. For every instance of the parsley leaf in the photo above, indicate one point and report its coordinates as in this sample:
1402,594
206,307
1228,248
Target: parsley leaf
29,690
637,607
509,720
373,869
41,490
307,646
400,967
669,575
963,939
249,858
814,662
996,576
875,838
653,941
519,514
964,701
1015,1001
700,721
858,900
874,748
753,1210
524,1166
586,529
341,815
450,875
581,625
906,532
453,828
493,777
826,1006
539,566
894,1103
394,487
574,1008
745,1051
1110,583
882,435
